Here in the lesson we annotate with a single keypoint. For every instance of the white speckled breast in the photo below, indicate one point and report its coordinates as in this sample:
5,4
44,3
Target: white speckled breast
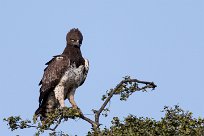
72,77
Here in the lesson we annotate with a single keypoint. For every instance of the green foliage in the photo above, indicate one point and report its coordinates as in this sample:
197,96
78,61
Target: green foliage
52,120
105,112
124,90
176,122
16,122
58,115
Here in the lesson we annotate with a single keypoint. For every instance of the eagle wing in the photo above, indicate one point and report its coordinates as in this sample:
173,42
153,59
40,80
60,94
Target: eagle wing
52,75
86,69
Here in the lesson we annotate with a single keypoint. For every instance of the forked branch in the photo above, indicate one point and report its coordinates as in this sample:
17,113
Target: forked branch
119,88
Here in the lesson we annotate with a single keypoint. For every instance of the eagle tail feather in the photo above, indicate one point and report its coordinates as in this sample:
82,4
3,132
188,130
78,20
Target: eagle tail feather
48,105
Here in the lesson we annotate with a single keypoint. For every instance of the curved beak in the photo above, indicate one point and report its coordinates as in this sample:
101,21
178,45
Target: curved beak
77,44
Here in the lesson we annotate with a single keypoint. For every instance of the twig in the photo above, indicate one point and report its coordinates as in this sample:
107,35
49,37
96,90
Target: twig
58,122
93,123
29,126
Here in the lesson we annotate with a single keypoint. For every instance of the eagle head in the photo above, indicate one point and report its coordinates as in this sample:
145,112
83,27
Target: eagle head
74,38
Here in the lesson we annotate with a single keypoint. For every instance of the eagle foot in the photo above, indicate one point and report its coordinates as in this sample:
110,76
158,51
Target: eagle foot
76,110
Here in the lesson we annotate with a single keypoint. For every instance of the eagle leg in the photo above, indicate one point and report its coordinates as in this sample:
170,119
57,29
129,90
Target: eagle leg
71,98
59,95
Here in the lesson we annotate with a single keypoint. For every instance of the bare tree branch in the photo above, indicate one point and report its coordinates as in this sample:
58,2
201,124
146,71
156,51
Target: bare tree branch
88,120
112,92
57,124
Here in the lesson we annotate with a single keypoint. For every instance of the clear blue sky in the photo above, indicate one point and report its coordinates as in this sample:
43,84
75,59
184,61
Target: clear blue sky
153,40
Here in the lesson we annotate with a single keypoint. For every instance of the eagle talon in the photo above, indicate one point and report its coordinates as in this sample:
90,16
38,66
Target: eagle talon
77,109
61,108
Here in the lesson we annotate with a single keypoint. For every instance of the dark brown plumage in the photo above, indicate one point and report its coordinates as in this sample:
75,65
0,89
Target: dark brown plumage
63,75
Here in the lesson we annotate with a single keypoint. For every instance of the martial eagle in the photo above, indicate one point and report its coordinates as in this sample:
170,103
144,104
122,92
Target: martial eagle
62,76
